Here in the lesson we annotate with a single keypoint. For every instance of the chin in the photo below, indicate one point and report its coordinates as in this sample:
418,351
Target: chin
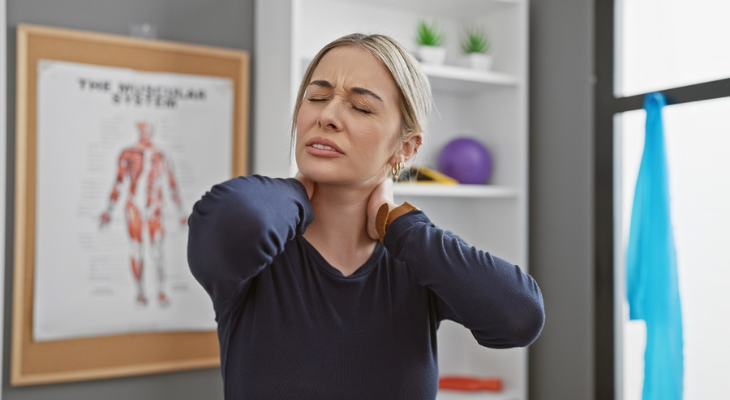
333,176
335,173
321,173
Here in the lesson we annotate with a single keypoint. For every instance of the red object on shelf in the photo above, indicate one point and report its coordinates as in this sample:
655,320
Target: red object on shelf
470,383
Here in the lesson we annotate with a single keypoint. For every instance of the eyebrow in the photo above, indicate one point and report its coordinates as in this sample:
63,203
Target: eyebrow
358,90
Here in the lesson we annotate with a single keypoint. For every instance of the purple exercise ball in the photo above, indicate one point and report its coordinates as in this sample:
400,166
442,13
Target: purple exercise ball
466,160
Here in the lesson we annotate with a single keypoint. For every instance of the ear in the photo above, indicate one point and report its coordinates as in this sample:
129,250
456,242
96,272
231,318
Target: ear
408,149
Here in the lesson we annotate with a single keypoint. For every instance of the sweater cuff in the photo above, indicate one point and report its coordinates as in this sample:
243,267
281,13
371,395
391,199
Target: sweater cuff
306,212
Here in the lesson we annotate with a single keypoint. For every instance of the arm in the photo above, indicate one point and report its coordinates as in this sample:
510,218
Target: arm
239,226
172,181
500,304
114,196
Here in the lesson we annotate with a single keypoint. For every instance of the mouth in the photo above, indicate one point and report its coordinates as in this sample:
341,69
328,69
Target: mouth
323,146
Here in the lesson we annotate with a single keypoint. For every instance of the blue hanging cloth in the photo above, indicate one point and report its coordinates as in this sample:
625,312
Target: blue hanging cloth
651,265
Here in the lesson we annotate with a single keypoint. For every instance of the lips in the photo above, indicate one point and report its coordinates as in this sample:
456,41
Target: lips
323,144
323,147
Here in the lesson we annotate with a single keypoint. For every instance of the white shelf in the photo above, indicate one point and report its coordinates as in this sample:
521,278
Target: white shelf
456,191
465,80
449,78
452,8
457,395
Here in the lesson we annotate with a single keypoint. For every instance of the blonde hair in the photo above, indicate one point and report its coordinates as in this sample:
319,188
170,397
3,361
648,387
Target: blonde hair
413,86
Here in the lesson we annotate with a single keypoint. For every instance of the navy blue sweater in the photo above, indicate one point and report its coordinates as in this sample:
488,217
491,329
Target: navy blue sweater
291,326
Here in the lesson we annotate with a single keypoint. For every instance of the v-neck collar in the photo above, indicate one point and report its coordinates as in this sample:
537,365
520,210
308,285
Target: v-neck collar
327,267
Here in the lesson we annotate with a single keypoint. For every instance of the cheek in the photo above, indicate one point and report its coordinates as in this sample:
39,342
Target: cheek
378,148
390,142
306,118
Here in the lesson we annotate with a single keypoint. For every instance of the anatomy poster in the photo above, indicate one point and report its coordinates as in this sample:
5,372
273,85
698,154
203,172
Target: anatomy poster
122,156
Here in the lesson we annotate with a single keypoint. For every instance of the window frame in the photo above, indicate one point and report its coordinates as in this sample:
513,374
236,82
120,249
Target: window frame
606,106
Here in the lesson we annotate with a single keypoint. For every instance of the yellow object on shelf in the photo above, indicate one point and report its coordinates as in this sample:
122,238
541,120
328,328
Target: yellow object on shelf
421,174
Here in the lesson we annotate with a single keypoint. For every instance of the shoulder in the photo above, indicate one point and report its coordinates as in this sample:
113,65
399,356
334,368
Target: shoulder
130,152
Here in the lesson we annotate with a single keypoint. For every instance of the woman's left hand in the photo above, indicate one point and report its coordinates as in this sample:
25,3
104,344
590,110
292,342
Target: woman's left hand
382,193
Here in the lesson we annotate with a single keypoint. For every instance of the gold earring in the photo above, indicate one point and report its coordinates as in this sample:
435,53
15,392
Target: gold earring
395,170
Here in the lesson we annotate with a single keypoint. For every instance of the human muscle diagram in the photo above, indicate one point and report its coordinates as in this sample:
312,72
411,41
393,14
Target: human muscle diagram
146,165
122,156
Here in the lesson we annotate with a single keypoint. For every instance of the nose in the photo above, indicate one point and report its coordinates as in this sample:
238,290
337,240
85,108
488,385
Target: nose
330,117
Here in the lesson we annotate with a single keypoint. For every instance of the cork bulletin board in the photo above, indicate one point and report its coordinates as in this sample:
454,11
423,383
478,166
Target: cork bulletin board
110,355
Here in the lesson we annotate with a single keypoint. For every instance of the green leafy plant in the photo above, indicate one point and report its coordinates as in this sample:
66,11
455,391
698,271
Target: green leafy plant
475,41
429,34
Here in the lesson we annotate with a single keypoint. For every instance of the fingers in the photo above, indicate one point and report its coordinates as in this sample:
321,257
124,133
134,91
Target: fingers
308,184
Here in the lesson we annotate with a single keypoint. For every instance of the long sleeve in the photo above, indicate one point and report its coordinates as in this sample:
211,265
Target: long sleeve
496,300
239,226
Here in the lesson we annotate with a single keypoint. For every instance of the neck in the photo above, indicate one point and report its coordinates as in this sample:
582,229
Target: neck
339,230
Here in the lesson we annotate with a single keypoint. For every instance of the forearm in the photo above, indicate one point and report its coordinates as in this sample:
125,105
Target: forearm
496,300
106,215
113,196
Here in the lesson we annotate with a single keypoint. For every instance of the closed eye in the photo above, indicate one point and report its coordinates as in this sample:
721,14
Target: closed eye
362,110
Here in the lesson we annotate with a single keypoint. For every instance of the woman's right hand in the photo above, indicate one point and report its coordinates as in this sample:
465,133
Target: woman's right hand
308,184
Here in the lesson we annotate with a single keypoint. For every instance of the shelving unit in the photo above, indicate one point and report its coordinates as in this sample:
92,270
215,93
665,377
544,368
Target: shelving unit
454,191
456,79
456,395
488,105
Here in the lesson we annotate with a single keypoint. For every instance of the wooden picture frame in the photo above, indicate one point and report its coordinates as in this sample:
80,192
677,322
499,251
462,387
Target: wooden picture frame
100,357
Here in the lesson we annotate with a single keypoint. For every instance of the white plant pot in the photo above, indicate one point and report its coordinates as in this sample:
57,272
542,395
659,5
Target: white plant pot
432,55
480,61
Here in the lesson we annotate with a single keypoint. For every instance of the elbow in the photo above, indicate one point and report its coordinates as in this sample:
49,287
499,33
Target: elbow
527,328
527,320
519,327
527,323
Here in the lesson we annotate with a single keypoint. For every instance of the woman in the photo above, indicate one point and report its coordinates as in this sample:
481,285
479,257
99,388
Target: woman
323,287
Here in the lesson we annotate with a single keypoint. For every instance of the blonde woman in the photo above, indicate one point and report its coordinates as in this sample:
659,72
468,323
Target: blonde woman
323,287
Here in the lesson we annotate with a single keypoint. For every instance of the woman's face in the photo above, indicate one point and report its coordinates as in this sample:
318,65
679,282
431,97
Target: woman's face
349,121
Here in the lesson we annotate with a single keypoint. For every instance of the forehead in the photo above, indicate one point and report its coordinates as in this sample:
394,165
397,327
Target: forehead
349,66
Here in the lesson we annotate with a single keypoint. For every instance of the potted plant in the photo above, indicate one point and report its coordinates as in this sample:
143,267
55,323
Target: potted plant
476,46
430,40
